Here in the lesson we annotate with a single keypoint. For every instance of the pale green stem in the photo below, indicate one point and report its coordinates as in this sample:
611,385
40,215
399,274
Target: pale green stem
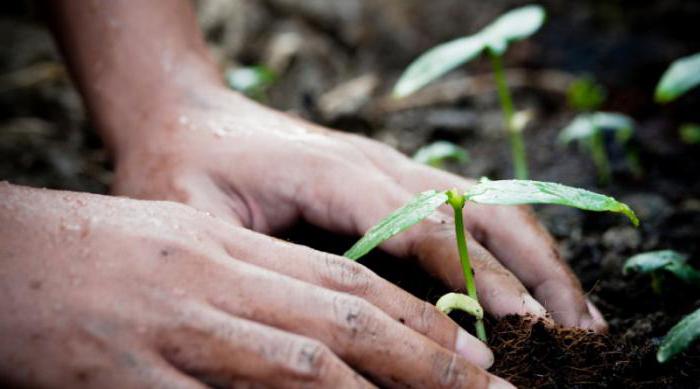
600,157
457,201
517,144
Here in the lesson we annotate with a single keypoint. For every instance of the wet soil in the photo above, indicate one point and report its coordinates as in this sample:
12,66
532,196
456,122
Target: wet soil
338,62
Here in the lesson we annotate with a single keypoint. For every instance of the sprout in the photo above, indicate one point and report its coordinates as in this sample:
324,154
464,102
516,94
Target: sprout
682,335
656,262
589,129
451,301
690,133
584,94
436,153
252,81
680,77
512,26
503,192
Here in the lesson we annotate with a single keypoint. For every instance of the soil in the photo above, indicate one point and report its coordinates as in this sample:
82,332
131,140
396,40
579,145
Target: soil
348,54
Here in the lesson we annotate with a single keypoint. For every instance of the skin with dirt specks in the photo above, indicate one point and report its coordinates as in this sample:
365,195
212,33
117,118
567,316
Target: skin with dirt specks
111,292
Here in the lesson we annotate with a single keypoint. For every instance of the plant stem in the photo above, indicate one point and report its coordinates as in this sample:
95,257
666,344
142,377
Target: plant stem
457,201
517,144
600,157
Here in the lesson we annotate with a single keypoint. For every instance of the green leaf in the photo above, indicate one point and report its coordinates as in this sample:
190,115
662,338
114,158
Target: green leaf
690,133
586,125
436,153
512,26
413,212
679,337
252,80
462,302
681,76
512,192
666,260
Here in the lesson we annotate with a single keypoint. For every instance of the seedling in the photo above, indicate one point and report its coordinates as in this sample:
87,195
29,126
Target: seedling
253,81
585,95
436,153
656,263
680,77
690,133
515,25
589,129
503,192
680,337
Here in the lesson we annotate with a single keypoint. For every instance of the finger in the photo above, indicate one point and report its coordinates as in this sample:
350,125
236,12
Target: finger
355,330
222,350
431,241
341,274
528,250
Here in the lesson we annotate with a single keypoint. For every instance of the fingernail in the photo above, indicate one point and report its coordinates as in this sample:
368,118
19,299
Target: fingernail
499,383
598,322
473,349
532,306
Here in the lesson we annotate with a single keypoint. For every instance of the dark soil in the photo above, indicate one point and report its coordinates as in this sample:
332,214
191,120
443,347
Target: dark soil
46,140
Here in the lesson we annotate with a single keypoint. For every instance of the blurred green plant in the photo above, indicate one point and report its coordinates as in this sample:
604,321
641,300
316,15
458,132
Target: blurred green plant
437,153
680,77
589,129
253,81
512,26
690,133
502,192
656,263
585,94
679,337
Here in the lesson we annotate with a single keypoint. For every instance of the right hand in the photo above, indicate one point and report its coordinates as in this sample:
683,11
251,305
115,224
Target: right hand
108,292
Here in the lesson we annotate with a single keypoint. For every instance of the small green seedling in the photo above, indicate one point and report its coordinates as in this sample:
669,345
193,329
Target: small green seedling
514,25
436,153
253,81
503,192
690,133
585,94
590,128
656,263
680,77
680,337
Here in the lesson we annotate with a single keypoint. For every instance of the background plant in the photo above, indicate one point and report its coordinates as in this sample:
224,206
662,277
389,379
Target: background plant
493,39
502,192
437,153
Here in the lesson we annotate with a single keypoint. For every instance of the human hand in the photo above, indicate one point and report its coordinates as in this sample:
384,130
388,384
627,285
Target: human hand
263,170
106,292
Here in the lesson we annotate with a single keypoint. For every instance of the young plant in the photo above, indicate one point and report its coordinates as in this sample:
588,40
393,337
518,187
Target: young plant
680,337
585,94
253,81
656,263
690,133
436,153
514,25
590,129
680,77
503,192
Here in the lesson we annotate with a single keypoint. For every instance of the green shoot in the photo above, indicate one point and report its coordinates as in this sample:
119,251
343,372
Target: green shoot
252,81
589,129
690,133
680,77
656,262
458,301
436,153
512,26
584,94
682,335
502,192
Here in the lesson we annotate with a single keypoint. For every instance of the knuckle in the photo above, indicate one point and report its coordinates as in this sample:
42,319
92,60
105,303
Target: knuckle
344,275
353,315
451,373
308,360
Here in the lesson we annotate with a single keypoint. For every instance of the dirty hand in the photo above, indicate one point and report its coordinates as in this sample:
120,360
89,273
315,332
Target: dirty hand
106,292
264,170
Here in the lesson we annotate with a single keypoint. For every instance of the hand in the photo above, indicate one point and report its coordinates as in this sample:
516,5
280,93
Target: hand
263,170
106,292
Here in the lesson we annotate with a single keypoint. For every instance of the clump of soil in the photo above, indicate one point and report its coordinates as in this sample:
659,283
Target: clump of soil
532,354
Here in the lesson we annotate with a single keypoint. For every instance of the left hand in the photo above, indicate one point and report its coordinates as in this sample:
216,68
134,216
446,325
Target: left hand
264,170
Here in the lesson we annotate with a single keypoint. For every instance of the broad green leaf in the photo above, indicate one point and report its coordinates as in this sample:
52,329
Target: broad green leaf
512,192
436,153
512,26
437,61
413,212
462,302
667,260
586,125
680,77
690,133
679,337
